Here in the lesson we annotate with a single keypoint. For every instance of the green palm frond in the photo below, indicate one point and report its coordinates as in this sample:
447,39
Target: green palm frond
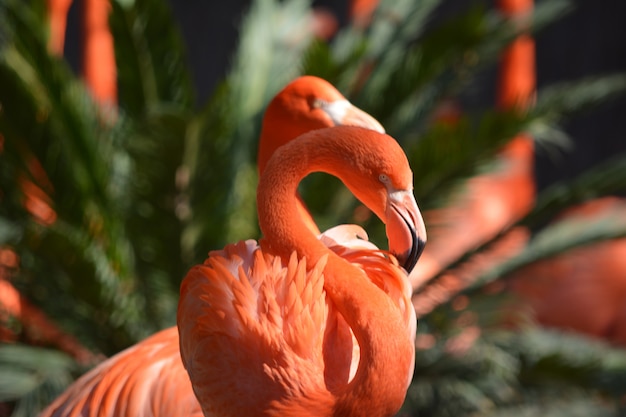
549,355
567,98
558,238
32,377
150,74
605,178
57,125
454,384
573,406
531,369
561,101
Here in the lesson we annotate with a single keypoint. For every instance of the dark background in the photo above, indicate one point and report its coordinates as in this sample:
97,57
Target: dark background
591,40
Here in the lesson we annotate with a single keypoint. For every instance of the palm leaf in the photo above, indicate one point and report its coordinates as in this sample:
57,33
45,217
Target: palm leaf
150,74
32,377
58,125
221,142
559,238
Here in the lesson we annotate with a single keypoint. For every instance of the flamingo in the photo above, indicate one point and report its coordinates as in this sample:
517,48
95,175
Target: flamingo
254,318
305,104
582,290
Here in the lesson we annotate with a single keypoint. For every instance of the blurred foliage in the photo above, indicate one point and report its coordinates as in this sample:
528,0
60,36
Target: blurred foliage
33,376
145,190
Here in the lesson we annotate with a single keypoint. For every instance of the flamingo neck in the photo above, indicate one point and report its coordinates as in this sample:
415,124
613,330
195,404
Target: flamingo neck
270,140
387,353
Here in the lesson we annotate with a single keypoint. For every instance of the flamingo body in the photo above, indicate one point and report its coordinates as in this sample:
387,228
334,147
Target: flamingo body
274,328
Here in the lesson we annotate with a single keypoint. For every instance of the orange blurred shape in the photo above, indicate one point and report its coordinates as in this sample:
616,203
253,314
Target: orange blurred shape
460,302
425,341
361,11
460,344
324,24
514,6
447,112
517,81
99,68
37,202
57,18
8,258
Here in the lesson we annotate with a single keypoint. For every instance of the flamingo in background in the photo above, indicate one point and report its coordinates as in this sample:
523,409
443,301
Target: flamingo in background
305,104
254,319
583,290
491,202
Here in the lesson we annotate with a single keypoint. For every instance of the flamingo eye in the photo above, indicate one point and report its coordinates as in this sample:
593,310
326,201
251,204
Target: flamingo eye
316,103
383,178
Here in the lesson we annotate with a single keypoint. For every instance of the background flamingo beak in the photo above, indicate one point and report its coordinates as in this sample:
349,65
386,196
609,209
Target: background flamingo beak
342,112
357,117
405,229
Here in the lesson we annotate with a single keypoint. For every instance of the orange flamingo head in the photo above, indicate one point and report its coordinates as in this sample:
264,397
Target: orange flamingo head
306,104
381,178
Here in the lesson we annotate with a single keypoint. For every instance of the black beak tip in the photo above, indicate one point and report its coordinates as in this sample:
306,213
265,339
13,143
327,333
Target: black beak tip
414,254
417,247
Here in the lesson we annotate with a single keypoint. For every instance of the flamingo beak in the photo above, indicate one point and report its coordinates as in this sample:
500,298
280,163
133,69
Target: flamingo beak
405,228
342,112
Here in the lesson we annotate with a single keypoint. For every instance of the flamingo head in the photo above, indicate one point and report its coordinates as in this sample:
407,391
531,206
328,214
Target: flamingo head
380,176
306,104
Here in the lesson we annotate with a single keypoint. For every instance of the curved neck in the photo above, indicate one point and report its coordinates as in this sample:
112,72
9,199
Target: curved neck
387,352
270,140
